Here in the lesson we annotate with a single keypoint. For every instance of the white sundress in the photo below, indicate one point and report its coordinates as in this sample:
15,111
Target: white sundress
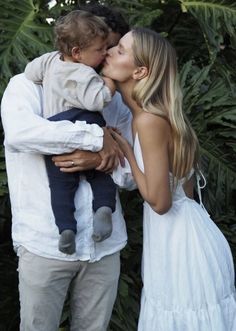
187,269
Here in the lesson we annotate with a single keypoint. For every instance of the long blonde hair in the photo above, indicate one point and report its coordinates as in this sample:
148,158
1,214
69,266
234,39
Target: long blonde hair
160,93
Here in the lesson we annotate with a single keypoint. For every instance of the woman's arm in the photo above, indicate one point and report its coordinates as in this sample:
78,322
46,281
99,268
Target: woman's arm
153,134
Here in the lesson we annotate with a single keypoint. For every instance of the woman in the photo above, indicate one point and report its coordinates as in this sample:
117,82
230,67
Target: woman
188,273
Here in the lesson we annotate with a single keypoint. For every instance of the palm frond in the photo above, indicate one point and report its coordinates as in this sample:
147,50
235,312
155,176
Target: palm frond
139,13
221,177
216,19
192,79
211,108
22,37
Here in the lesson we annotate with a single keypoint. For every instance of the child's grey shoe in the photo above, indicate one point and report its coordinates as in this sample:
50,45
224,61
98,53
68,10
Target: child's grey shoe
67,242
102,224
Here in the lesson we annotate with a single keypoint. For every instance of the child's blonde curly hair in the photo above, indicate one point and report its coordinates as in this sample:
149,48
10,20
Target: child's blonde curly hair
78,29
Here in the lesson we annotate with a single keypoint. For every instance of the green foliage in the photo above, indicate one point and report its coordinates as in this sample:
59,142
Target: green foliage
215,18
24,34
203,32
211,107
3,175
139,13
9,303
126,309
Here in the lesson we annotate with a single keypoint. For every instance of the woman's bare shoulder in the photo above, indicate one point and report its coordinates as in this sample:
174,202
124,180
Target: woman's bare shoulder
148,122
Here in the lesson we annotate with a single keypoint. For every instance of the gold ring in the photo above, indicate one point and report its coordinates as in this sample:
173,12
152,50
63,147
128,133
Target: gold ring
72,163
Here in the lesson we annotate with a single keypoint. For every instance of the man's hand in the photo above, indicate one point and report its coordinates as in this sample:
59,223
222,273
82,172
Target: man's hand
111,153
77,161
106,160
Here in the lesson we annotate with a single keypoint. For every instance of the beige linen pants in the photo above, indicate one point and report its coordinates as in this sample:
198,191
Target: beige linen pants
44,284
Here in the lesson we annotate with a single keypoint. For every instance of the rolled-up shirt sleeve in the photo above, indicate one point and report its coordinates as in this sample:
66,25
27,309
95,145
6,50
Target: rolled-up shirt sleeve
123,177
27,131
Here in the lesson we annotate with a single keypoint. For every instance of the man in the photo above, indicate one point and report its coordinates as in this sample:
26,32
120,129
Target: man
112,18
45,274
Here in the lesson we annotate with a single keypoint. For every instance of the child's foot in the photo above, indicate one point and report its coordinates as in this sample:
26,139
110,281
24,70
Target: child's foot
102,224
67,242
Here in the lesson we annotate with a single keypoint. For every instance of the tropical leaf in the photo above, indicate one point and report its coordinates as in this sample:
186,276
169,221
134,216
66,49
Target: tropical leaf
191,79
216,18
23,36
3,175
211,107
221,177
126,308
139,13
187,46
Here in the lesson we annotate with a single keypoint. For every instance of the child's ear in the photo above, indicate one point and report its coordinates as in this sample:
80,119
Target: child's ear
140,73
76,54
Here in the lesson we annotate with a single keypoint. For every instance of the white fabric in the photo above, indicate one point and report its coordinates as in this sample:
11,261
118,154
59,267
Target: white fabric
44,283
27,137
187,270
123,177
67,84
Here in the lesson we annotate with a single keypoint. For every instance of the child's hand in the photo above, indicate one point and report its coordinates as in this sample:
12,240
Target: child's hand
110,84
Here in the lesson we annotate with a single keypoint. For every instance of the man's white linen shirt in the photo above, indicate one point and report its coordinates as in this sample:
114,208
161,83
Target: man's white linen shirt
27,137
67,84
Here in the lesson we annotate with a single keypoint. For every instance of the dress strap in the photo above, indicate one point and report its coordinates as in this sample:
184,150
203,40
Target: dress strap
200,177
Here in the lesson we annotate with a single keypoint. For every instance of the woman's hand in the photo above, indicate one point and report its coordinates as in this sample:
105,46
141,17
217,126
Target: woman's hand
111,154
122,142
77,161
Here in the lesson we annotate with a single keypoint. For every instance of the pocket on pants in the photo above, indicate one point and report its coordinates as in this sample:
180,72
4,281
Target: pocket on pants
23,255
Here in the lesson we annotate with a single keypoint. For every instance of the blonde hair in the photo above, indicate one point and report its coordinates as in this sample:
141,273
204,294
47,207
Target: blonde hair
78,28
160,93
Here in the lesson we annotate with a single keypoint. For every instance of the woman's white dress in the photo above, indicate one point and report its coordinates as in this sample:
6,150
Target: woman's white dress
187,269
